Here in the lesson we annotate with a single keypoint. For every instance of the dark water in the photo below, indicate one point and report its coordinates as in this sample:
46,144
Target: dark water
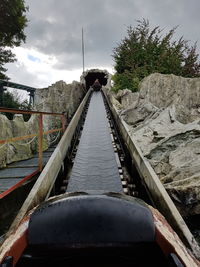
95,167
194,226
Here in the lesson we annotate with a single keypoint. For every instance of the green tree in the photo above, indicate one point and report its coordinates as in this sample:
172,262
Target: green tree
12,23
145,51
12,100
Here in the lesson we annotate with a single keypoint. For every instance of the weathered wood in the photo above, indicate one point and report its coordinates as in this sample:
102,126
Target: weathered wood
51,170
158,193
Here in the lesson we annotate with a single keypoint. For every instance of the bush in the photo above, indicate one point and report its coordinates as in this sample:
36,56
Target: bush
145,51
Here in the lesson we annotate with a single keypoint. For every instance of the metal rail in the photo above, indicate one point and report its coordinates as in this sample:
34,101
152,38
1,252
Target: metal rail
24,111
11,189
30,90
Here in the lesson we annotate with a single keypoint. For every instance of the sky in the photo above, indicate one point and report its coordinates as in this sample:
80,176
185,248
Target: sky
52,51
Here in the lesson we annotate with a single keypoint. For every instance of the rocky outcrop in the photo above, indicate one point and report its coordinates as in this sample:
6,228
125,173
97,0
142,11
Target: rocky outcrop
164,119
20,150
59,98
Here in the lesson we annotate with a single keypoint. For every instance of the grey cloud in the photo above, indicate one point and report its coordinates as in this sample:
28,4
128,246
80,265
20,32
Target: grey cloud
59,31
55,26
20,75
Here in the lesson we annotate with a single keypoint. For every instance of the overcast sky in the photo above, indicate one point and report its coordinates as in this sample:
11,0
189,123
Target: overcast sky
52,50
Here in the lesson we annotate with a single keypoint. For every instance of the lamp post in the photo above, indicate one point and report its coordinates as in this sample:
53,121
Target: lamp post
83,51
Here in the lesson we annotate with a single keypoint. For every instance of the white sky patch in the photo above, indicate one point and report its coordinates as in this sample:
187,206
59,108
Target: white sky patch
23,57
21,95
42,67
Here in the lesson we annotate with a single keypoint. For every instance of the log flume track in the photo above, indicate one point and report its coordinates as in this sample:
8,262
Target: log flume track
95,167
98,213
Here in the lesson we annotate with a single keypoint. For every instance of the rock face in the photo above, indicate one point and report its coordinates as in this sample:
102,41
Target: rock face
20,150
164,119
59,98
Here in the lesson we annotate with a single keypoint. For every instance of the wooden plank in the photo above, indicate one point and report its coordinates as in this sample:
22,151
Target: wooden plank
160,196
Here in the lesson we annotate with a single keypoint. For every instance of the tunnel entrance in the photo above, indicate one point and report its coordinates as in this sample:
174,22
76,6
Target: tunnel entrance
92,76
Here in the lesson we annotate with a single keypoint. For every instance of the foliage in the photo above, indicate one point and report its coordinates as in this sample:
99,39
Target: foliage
10,100
145,51
12,24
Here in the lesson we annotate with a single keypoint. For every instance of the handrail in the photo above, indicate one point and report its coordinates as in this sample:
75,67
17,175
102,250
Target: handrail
15,186
25,111
40,133
47,178
17,86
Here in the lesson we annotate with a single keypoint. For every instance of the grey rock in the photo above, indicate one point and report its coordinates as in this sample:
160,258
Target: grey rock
163,118
59,98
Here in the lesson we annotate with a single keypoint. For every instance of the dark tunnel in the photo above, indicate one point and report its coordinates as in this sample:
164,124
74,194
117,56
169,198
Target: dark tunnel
92,76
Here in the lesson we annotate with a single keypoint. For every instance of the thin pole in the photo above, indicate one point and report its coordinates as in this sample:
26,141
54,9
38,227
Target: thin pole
83,52
63,123
40,142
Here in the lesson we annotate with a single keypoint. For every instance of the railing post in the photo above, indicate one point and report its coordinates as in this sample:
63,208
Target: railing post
40,141
63,123
2,89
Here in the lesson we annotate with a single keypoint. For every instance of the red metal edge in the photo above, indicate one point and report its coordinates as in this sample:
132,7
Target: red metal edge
8,191
169,242
16,243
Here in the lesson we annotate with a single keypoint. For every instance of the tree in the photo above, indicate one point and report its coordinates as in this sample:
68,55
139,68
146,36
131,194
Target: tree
12,100
12,24
145,51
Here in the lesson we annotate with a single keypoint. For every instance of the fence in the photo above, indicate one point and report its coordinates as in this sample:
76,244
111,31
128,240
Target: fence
40,134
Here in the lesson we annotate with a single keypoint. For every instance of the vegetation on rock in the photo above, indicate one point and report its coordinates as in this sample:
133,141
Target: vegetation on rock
12,24
145,51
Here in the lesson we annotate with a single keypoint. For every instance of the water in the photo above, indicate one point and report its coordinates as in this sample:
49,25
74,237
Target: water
193,223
